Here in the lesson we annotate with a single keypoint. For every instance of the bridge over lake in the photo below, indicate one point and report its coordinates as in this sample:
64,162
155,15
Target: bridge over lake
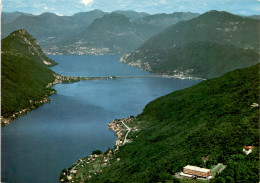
118,77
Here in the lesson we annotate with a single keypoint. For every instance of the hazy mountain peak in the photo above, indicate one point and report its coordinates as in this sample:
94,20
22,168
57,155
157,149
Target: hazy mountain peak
48,14
23,35
218,14
21,42
97,11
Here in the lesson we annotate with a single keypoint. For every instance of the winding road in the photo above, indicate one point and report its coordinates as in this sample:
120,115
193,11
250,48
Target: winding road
129,129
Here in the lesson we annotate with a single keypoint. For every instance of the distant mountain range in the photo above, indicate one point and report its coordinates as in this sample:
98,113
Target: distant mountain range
24,76
9,17
254,16
113,33
164,20
49,29
77,35
206,47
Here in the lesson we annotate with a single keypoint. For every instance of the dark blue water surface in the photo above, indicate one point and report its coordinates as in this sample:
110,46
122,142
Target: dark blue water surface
94,66
36,146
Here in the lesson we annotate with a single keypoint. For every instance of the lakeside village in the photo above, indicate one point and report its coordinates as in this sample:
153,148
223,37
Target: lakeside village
84,169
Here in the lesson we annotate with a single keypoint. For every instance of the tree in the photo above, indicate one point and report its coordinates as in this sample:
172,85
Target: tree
96,152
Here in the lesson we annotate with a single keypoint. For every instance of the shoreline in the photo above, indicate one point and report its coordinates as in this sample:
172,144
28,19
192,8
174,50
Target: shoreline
93,164
34,104
59,79
119,127
37,103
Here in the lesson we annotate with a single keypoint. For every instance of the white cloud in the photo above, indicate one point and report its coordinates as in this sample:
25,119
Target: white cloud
124,3
46,8
87,2
59,14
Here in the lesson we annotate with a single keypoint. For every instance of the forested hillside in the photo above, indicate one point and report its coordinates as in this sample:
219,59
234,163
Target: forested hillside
212,120
25,74
207,46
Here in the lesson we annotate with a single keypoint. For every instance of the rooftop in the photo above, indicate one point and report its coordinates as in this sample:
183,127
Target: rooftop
205,170
186,175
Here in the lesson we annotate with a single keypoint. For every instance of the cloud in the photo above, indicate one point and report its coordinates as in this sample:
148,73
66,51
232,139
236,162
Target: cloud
87,2
45,8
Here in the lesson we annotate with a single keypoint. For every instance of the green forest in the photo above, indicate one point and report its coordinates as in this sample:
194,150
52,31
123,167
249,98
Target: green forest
24,75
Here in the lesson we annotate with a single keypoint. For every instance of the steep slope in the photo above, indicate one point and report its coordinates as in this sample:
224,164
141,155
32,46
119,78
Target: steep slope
113,33
23,44
25,75
200,60
213,119
220,28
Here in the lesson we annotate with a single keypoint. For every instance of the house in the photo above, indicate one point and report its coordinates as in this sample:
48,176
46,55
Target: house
196,171
73,171
248,149
255,105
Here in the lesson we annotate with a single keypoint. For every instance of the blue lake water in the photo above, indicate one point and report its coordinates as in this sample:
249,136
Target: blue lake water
36,146
94,66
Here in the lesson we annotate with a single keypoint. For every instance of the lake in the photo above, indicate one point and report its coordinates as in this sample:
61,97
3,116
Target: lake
37,146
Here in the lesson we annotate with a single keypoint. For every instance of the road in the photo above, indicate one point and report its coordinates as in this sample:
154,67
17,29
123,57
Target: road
129,129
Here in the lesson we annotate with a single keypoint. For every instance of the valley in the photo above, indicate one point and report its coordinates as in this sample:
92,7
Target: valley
128,96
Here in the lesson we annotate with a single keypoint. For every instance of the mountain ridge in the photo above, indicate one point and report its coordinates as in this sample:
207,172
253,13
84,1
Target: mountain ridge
220,28
111,33
52,30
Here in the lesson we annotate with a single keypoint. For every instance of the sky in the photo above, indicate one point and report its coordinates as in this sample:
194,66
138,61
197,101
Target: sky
70,7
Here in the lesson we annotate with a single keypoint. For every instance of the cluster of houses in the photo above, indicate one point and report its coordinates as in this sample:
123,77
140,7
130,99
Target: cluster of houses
6,121
119,128
81,163
61,79
118,125
107,157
